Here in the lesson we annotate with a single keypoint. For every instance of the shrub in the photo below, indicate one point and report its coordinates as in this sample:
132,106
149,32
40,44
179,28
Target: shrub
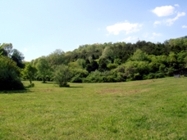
62,75
9,75
98,77
78,75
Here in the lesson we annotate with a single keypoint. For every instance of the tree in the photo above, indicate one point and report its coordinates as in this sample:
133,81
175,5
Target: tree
55,58
62,75
92,66
18,57
43,69
29,72
135,70
107,52
9,75
139,55
6,49
103,64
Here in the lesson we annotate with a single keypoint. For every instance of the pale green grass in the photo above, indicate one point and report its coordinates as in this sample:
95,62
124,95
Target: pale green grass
150,109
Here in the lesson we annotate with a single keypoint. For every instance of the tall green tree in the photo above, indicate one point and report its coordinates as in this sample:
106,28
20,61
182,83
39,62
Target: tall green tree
43,68
29,72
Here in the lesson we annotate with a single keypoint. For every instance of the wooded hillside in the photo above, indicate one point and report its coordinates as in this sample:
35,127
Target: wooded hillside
116,62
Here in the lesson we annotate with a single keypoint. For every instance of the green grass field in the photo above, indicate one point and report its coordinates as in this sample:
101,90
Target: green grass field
150,109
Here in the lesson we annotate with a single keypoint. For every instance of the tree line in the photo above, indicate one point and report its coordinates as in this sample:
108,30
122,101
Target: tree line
107,62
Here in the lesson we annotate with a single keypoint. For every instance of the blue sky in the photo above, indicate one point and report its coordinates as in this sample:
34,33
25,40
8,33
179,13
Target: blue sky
39,27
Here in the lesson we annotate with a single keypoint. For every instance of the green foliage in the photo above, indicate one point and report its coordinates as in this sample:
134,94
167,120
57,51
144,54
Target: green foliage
98,77
92,66
77,71
81,63
139,55
9,75
6,49
62,75
103,64
18,57
56,58
78,75
135,70
111,66
121,61
43,68
29,72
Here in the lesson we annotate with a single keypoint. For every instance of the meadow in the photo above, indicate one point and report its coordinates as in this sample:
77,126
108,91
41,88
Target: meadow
149,109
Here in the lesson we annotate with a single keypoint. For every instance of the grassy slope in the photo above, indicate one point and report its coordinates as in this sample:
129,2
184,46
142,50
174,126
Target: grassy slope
150,109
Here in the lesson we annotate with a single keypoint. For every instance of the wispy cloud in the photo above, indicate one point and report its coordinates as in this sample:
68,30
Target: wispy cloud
184,26
172,20
126,27
164,10
168,10
176,5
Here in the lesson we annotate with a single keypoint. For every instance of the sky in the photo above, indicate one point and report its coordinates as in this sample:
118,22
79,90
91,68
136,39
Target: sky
39,27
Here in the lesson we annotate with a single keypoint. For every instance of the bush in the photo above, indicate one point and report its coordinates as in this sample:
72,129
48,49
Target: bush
78,75
62,75
9,75
98,77
159,75
149,76
77,79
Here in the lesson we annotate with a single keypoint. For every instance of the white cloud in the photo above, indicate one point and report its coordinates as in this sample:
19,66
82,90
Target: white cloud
172,20
126,26
164,10
169,21
184,26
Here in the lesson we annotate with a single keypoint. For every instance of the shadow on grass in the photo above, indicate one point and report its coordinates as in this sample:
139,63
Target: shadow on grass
47,82
24,91
69,86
